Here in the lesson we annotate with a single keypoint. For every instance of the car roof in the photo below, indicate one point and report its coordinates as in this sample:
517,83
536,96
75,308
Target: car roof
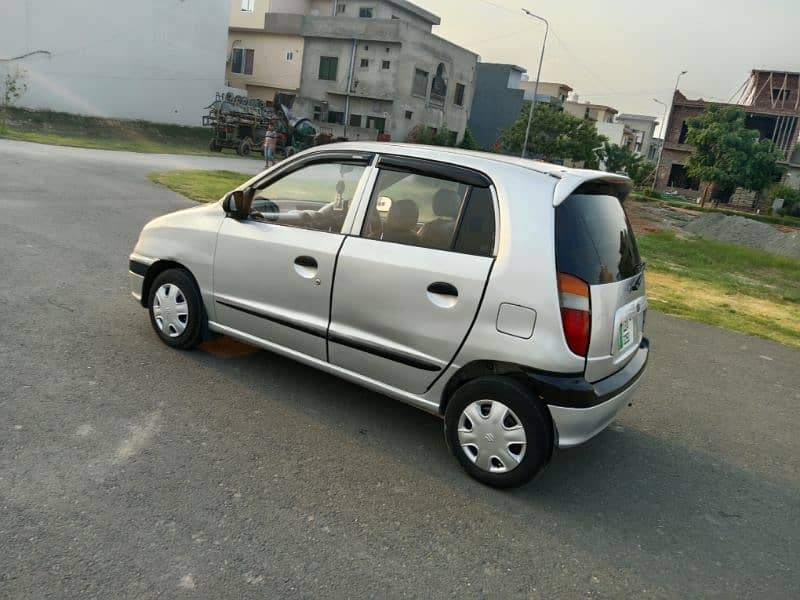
569,178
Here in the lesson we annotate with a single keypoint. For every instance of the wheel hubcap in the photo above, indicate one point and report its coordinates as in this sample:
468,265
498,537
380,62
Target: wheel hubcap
492,436
170,310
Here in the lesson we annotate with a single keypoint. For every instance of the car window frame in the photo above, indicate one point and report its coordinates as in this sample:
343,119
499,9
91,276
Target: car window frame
363,159
433,169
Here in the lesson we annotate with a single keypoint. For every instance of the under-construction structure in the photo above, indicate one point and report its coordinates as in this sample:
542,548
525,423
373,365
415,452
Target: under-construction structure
771,101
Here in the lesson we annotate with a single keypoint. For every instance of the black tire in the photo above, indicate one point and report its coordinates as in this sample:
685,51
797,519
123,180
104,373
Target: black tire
244,148
196,319
289,151
214,146
529,411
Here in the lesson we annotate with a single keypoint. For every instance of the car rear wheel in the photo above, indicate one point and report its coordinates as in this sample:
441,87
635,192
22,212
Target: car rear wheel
176,309
499,431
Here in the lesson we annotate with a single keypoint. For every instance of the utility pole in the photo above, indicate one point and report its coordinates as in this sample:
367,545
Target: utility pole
538,75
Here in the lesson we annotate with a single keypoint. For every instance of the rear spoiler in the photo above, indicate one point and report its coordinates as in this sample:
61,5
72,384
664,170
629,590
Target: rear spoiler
592,182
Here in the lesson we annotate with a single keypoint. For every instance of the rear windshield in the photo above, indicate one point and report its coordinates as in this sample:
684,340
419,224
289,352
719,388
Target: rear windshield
594,240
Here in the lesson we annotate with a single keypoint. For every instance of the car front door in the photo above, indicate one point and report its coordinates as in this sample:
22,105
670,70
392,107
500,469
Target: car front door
273,272
410,280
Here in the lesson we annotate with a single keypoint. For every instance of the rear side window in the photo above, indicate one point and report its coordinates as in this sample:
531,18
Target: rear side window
594,240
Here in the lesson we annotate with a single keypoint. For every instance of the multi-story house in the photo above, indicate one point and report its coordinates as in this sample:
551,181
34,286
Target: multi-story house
771,101
357,68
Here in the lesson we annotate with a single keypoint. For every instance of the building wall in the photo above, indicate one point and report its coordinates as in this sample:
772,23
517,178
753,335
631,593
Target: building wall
384,93
556,92
764,82
385,9
157,60
643,127
496,105
597,112
271,69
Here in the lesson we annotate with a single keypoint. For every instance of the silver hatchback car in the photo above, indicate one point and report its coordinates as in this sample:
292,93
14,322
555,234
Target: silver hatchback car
505,295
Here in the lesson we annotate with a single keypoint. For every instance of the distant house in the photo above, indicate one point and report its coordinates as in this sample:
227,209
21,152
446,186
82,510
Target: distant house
157,60
497,102
359,69
643,128
547,92
771,101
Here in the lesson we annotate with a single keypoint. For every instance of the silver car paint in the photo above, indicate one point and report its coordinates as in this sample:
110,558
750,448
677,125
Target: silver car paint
255,270
523,273
187,237
380,299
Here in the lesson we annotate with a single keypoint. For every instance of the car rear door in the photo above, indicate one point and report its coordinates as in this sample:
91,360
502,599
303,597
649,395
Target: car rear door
411,278
273,272
595,242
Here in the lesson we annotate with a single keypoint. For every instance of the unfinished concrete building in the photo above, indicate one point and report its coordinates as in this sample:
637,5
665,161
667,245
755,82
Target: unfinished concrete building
771,101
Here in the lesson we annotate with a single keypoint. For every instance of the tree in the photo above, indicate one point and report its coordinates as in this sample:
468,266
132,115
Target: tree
555,135
729,154
469,142
13,87
620,159
432,137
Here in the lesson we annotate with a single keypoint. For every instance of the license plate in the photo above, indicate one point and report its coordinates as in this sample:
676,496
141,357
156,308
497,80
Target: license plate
625,333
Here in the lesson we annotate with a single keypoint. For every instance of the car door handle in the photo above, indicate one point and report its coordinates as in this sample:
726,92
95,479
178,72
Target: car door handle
306,261
442,288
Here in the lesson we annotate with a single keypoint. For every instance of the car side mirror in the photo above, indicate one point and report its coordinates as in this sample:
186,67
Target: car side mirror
237,203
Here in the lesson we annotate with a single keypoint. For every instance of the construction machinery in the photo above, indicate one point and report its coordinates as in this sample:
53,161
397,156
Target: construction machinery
241,123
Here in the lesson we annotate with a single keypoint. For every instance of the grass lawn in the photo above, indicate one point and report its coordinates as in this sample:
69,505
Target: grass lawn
724,284
712,282
62,129
203,186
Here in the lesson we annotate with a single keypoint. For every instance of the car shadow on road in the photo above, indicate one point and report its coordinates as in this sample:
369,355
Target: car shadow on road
625,493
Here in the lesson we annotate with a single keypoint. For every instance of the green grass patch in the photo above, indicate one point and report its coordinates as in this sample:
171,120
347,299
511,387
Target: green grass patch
202,186
723,284
63,129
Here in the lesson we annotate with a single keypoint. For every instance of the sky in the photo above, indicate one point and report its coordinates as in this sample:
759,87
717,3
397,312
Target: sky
623,53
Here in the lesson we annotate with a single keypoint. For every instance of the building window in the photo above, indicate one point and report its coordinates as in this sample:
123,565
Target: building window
684,133
409,114
365,13
328,65
340,8
395,17
378,123
420,85
586,113
242,61
780,94
366,47
439,84
248,5
386,64
459,99
336,117
317,113
388,49
355,120
365,63
289,56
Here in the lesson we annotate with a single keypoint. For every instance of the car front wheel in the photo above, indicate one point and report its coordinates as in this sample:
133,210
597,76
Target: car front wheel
176,309
499,431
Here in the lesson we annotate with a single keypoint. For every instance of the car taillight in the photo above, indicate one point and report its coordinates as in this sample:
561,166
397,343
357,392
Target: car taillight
576,317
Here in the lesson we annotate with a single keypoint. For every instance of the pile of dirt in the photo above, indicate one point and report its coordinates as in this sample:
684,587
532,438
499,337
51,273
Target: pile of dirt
746,232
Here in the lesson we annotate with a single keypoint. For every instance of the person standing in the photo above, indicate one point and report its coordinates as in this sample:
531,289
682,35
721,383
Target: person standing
270,141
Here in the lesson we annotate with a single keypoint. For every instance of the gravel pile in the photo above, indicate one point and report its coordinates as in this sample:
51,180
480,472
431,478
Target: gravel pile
746,232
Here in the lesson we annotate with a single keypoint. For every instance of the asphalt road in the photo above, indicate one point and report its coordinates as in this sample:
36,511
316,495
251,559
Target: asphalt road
131,470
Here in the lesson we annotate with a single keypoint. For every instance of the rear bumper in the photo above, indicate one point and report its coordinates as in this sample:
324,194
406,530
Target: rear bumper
581,409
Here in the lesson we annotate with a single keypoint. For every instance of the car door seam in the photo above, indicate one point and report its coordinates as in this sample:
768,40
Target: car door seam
330,300
469,330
